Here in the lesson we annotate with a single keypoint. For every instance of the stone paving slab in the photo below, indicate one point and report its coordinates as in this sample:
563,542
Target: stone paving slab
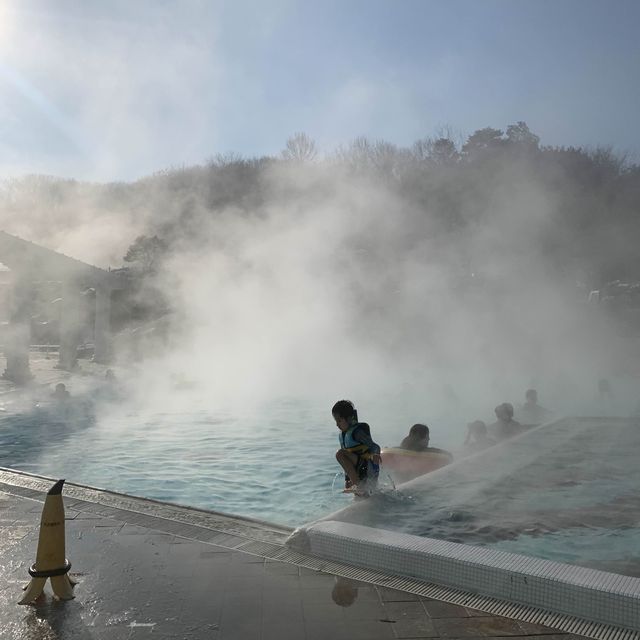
137,581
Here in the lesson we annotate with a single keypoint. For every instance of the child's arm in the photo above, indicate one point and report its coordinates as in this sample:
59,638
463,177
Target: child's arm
364,438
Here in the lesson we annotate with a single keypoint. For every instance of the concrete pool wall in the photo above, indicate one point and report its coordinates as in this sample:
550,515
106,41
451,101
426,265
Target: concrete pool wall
596,597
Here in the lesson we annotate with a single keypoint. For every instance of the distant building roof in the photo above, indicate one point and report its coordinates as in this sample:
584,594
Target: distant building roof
27,257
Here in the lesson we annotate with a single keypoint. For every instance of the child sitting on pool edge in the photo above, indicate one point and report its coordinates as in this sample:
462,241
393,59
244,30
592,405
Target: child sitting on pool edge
358,455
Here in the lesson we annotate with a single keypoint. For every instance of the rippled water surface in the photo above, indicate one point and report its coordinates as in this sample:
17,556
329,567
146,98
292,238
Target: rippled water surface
566,492
277,467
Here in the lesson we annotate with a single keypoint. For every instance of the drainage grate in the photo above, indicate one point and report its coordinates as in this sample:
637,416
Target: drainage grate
567,623
256,548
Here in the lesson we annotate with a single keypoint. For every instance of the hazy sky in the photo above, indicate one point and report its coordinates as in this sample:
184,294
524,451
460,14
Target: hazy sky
120,89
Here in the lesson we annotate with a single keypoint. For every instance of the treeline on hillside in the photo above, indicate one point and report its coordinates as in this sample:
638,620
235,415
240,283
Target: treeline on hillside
498,202
592,195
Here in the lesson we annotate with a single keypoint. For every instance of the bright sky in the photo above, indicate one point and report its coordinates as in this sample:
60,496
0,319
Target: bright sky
120,89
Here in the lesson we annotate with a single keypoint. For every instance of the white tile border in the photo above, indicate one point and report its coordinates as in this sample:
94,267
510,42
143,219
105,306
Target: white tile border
589,594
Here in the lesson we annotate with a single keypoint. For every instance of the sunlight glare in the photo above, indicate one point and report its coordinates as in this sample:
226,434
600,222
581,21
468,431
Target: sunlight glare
6,23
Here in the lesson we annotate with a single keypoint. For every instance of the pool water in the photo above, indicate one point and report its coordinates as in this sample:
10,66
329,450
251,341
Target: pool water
240,464
566,492
274,461
601,548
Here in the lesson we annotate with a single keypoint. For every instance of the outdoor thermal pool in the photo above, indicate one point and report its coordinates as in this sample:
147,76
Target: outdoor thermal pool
565,492
275,463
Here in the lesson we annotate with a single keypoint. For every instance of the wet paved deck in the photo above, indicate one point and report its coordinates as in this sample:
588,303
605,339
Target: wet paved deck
137,579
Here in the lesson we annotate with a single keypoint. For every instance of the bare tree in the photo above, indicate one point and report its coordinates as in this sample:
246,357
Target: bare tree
300,148
224,159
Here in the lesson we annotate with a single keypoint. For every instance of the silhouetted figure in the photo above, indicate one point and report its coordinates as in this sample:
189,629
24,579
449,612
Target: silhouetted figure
112,389
505,426
61,394
418,440
531,413
477,437
358,455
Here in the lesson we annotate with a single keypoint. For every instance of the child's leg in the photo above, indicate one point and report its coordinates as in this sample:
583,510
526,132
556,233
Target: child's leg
348,462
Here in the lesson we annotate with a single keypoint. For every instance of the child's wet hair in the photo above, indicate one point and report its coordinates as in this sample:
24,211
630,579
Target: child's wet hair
344,409
419,431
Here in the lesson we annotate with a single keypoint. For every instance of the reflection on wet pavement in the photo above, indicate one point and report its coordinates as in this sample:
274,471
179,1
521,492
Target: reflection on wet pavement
137,582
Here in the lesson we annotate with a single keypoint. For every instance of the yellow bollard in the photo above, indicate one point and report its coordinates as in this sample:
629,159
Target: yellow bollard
50,556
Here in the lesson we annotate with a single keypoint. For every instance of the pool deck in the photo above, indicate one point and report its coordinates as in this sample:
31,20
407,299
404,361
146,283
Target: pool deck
150,570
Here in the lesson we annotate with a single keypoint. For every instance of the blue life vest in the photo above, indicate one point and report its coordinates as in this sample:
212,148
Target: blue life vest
348,442
366,468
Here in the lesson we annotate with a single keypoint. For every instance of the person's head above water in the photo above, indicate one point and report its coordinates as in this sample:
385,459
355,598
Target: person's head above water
478,429
419,432
61,391
504,411
532,396
345,414
476,433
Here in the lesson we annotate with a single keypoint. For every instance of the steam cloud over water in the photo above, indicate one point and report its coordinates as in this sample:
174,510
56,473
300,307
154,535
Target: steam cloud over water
443,277
427,279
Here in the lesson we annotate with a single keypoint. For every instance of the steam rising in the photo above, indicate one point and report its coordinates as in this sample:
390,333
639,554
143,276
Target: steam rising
437,283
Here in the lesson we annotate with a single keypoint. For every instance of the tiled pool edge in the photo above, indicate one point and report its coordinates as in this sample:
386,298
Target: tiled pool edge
268,541
116,505
597,598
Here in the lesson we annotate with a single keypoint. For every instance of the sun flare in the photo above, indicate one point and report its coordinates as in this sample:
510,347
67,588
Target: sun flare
7,23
